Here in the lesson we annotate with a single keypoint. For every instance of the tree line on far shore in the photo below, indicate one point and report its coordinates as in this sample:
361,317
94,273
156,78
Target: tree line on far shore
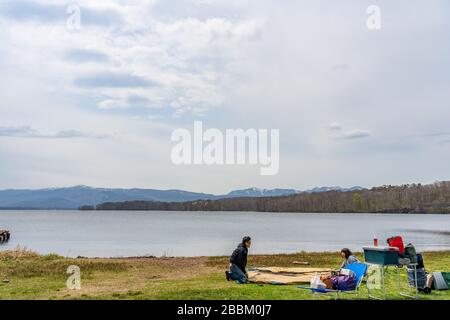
409,198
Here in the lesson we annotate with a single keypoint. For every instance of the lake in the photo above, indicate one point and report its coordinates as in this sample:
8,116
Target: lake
158,233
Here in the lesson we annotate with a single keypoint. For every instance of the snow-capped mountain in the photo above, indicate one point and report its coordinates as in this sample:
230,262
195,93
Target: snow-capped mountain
325,189
257,192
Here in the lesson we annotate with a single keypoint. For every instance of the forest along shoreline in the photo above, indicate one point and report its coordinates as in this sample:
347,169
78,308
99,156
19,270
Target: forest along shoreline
409,198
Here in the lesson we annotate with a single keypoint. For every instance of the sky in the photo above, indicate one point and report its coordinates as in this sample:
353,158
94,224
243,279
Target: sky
95,103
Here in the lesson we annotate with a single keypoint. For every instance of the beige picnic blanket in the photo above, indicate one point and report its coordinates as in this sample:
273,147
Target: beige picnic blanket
298,270
280,275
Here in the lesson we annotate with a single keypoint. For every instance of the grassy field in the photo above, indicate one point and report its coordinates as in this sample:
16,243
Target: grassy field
26,275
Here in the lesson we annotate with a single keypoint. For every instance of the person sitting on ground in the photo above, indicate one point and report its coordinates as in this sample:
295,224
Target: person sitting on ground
238,262
349,258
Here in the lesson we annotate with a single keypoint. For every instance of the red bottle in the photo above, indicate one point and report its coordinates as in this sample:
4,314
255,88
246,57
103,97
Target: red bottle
375,241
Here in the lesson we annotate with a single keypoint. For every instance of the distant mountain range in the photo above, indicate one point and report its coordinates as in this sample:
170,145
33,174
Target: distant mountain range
256,192
74,197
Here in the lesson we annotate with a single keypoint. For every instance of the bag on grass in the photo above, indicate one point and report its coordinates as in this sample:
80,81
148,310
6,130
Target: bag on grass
410,253
430,281
328,280
439,282
420,264
421,277
316,283
344,283
397,242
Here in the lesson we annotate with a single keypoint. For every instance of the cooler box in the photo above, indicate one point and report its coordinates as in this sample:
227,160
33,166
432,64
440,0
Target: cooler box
381,255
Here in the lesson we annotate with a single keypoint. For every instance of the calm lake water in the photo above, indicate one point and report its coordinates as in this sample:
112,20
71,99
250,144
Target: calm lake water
137,233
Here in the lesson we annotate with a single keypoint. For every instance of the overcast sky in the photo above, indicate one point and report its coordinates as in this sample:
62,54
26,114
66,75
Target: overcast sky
97,106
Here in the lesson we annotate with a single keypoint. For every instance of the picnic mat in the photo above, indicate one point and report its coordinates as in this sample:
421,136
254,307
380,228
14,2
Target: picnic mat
278,275
295,270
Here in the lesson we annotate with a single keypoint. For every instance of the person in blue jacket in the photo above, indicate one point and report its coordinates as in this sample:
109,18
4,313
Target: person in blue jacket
238,262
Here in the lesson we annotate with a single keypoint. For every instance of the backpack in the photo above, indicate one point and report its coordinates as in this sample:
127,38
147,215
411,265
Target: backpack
420,264
421,277
344,283
397,242
410,253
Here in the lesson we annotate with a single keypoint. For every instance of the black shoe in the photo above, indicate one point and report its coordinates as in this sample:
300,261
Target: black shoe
227,275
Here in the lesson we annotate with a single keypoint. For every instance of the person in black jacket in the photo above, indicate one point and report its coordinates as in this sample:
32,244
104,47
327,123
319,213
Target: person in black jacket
238,261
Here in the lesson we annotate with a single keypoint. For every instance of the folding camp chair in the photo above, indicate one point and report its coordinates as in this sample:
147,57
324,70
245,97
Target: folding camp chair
359,269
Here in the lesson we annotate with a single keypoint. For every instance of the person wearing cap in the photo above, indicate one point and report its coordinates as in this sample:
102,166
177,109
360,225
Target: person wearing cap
238,262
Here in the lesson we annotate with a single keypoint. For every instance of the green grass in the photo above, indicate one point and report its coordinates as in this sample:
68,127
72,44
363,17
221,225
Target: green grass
32,276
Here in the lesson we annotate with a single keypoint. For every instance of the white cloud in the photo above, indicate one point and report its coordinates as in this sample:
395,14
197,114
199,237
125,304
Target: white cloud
355,134
148,66
28,132
335,126
112,104
336,130
186,56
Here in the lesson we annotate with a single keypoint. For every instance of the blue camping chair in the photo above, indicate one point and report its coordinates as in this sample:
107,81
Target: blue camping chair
359,269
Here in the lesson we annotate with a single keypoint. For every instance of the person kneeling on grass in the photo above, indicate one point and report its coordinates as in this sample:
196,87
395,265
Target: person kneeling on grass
238,262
